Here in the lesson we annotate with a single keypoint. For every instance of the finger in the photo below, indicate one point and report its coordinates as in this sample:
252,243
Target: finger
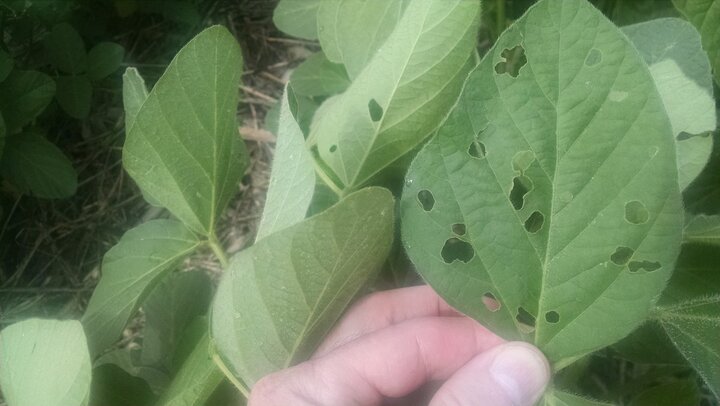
391,362
512,374
383,309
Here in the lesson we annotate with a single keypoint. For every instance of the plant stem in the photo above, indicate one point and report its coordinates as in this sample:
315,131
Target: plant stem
241,386
218,251
327,180
500,5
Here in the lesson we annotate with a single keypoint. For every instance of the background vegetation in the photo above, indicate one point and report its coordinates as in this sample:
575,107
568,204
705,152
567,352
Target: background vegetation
51,244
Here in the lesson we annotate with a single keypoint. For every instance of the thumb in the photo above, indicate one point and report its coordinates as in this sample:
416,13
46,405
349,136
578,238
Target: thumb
511,374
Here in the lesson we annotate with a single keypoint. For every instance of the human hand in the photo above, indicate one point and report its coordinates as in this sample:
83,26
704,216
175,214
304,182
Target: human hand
392,343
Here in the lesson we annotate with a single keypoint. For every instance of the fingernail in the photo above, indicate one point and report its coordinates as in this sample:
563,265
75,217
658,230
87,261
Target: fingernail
522,372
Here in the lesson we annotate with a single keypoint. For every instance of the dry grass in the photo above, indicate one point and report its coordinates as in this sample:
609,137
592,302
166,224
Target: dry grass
52,250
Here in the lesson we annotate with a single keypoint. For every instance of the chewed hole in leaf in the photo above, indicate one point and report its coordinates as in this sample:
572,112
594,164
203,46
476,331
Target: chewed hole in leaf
426,199
333,148
534,223
477,150
683,136
552,317
526,320
622,255
594,57
456,249
459,228
514,60
646,266
522,161
636,213
490,302
376,111
522,185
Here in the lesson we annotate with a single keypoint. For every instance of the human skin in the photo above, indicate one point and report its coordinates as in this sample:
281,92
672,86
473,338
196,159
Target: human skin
392,343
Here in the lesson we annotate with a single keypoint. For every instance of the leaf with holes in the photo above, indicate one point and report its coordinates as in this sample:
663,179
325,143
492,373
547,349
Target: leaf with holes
292,180
352,31
705,15
671,48
44,362
129,271
402,94
36,166
297,17
559,163
183,149
280,297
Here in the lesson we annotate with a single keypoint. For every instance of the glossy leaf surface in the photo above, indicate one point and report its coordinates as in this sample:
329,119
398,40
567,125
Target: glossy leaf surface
44,362
551,189
183,148
280,297
129,271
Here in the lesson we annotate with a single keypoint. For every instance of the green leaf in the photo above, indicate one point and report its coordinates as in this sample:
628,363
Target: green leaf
703,194
183,149
113,386
669,394
279,298
351,31
65,49
556,397
104,59
6,64
705,16
197,379
44,362
292,179
552,189
36,166
169,311
129,361
130,270
23,96
297,17
703,229
319,77
74,94
671,48
649,345
2,135
693,326
403,93
134,95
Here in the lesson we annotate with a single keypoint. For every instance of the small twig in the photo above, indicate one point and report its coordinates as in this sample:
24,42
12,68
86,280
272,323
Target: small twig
274,78
258,94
